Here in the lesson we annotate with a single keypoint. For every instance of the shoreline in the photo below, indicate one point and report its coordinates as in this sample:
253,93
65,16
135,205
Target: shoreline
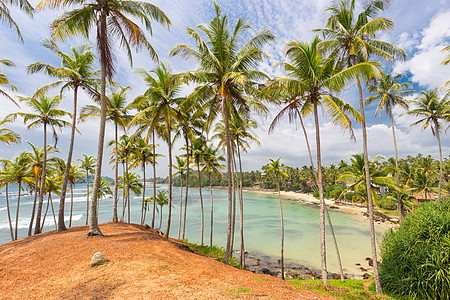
381,219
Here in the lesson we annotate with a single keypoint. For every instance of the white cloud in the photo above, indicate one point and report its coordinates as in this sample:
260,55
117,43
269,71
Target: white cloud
425,64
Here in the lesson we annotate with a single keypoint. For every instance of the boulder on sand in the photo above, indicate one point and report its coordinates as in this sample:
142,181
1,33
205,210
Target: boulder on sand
98,259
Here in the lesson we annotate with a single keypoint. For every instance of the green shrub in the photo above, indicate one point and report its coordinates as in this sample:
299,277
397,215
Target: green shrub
416,257
386,202
316,194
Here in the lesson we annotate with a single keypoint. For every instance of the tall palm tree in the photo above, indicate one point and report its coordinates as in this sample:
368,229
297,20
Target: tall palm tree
5,180
320,78
36,161
20,174
181,167
52,185
76,71
198,152
162,92
432,111
74,175
111,22
87,163
212,160
389,92
226,77
45,113
117,113
351,37
277,170
142,154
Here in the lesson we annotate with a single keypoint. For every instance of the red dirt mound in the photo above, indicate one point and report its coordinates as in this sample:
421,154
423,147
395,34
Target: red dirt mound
143,265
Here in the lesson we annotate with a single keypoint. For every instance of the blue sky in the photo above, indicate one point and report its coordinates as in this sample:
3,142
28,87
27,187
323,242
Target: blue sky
422,29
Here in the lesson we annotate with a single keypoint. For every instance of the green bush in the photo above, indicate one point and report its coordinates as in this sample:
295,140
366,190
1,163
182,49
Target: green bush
416,257
316,194
387,203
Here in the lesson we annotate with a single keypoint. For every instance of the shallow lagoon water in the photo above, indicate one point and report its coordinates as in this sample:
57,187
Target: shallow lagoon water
261,224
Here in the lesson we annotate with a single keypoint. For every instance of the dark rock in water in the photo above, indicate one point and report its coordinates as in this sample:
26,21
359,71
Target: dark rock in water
279,261
357,264
335,276
362,269
98,259
366,276
334,207
370,261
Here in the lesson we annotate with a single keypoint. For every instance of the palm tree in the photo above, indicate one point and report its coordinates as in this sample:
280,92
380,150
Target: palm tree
6,18
52,185
161,199
74,175
390,93
141,155
162,93
277,170
181,167
116,112
212,160
36,161
225,77
7,136
87,164
19,172
432,111
111,21
352,39
5,180
356,176
124,147
45,113
198,151
76,72
320,78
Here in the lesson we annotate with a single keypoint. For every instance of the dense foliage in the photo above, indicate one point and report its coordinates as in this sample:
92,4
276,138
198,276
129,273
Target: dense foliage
416,257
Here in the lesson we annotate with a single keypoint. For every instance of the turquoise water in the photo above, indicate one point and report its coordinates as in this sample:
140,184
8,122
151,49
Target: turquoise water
261,224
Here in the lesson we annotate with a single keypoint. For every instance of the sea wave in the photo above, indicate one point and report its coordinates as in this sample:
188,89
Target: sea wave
25,222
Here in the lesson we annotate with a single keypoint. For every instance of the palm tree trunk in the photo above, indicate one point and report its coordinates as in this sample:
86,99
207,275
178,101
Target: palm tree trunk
53,211
282,230
187,186
181,205
212,210
127,169
440,164
369,193
154,181
160,218
9,213
233,183
323,253
17,210
62,199
94,230
241,209
229,172
87,196
124,191
37,228
116,175
201,201
169,209
46,211
71,204
143,193
326,209
36,183
401,208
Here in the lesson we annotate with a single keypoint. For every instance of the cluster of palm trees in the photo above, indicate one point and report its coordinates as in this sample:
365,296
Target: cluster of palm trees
228,90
